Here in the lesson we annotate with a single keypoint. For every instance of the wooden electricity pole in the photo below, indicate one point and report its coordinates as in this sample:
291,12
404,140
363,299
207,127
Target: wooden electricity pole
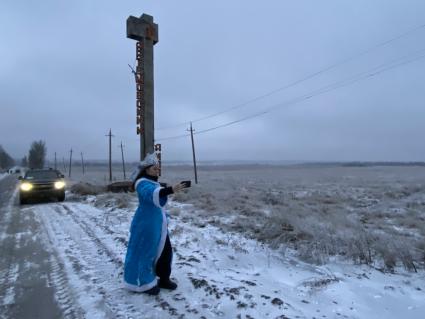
64,165
110,154
193,153
123,163
56,167
70,163
82,162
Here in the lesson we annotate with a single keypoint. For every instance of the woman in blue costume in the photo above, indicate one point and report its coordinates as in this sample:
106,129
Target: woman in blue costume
149,252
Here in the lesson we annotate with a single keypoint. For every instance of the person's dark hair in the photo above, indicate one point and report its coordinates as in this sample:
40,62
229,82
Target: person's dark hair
142,173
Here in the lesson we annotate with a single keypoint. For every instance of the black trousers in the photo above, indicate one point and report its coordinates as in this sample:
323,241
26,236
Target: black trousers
163,265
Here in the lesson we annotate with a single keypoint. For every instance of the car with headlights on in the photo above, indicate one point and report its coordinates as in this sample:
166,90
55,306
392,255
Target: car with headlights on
37,183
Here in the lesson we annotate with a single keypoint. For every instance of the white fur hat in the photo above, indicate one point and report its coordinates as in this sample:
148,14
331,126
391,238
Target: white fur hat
150,160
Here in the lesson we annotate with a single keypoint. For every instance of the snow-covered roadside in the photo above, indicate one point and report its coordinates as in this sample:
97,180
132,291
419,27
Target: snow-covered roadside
331,290
3,175
8,276
219,274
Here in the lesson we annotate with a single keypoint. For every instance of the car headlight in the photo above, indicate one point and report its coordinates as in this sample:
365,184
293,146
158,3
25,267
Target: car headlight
59,185
26,187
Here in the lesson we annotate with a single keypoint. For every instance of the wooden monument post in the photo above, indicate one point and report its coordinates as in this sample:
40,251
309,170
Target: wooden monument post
145,32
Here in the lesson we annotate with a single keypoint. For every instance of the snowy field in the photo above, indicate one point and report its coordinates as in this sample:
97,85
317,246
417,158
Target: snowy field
369,215
256,242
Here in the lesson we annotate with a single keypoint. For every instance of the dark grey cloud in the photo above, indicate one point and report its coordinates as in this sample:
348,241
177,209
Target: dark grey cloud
64,77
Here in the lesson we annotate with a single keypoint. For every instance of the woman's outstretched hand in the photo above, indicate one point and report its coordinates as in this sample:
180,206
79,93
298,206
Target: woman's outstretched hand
178,187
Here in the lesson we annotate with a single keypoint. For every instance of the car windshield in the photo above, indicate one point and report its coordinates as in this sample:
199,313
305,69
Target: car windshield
41,175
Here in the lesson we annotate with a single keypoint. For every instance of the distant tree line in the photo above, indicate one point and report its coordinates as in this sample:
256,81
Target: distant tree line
35,159
6,160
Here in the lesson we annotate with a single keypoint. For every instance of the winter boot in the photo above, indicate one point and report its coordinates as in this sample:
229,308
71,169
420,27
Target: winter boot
167,284
153,291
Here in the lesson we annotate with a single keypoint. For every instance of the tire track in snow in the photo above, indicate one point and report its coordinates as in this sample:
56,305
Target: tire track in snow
8,298
80,258
63,297
89,261
57,278
86,228
70,209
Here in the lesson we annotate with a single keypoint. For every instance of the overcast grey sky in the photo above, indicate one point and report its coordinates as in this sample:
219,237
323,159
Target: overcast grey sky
64,78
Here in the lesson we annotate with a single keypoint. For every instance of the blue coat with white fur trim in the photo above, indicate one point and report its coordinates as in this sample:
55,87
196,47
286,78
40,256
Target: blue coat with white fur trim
147,237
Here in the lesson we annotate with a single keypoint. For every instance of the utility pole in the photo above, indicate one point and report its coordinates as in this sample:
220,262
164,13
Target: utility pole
82,162
64,165
193,153
123,163
70,163
158,154
56,167
110,154
145,32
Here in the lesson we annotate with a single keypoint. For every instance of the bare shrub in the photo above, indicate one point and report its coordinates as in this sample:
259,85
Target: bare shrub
272,198
276,232
385,250
406,255
123,200
359,246
182,196
83,189
178,230
238,246
313,252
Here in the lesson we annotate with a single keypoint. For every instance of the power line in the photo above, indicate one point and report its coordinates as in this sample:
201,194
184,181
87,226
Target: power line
308,77
321,91
331,87
171,137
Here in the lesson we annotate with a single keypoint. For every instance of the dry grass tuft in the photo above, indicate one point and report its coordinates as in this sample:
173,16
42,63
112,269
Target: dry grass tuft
84,188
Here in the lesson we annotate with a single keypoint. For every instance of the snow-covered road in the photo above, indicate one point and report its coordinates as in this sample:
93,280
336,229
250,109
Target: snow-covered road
25,265
82,243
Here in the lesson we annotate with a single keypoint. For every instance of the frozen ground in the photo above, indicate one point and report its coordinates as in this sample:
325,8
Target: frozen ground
371,215
220,274
368,215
